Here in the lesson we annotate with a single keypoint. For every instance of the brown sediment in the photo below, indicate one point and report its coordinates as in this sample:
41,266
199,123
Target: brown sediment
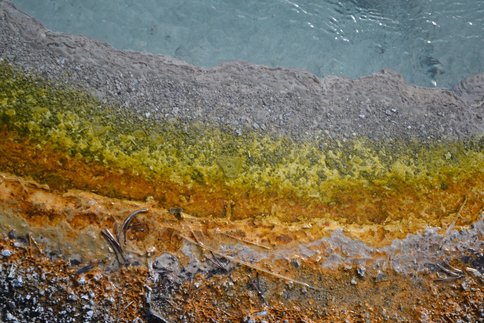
292,287
240,292
394,298
63,217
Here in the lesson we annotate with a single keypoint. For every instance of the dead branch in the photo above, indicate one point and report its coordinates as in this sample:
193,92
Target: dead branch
245,241
118,251
243,263
127,222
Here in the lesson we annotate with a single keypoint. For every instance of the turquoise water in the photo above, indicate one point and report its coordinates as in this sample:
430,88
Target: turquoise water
432,43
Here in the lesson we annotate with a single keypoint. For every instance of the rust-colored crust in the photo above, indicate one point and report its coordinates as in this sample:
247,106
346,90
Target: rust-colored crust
392,213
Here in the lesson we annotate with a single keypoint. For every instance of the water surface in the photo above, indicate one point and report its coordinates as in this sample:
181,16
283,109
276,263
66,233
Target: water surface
432,43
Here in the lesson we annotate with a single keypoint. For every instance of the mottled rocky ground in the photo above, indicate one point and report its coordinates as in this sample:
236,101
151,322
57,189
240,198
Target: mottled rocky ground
55,266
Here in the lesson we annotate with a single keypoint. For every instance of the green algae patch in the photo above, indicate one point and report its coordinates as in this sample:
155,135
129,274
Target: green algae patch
211,171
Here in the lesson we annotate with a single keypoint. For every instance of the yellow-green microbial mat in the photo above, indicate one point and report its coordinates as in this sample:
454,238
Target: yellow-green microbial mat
68,139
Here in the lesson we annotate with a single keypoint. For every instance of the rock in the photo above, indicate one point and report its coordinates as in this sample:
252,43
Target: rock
353,281
81,280
471,89
166,262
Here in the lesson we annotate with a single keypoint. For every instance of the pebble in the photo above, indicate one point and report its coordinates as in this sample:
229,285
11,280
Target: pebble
347,267
353,281
72,297
10,317
379,276
81,280
262,313
361,271
296,263
18,282
6,253
89,314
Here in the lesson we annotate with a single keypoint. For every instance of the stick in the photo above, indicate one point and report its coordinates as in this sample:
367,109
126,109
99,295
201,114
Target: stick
448,279
31,239
243,263
245,241
118,251
447,271
462,206
456,270
127,221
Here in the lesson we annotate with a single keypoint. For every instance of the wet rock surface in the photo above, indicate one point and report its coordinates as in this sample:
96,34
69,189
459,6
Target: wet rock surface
242,96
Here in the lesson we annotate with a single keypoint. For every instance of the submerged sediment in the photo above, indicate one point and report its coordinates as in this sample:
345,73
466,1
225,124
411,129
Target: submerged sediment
263,186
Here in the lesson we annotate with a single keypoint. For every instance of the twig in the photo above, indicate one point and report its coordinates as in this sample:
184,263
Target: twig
127,221
118,251
456,270
447,271
196,238
476,273
243,263
256,285
122,311
116,232
245,241
446,279
31,239
126,307
461,207
214,258
85,269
